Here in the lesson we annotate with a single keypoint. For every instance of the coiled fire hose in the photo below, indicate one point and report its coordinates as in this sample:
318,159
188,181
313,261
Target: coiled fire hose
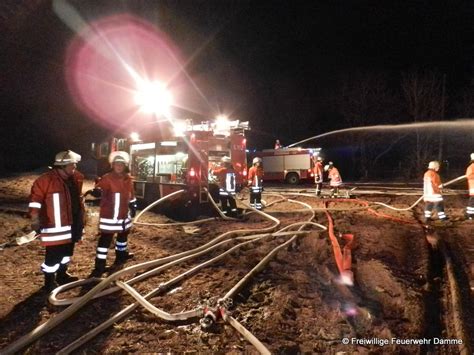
80,302
190,314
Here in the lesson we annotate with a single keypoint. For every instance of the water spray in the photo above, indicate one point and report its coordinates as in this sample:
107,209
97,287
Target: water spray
459,124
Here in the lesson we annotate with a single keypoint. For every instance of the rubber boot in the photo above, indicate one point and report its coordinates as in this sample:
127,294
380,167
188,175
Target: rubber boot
63,277
49,281
99,267
121,256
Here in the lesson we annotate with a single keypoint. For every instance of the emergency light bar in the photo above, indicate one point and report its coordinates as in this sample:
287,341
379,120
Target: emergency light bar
169,144
219,127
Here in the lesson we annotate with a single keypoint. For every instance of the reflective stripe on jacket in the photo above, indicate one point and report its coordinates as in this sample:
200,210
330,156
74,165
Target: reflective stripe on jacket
431,190
334,177
226,180
51,201
318,172
117,193
255,176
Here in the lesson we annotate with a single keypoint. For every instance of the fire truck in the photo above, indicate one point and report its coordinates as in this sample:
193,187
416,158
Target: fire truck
181,160
291,165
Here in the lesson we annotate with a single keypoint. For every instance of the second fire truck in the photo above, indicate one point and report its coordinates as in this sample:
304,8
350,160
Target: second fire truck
290,165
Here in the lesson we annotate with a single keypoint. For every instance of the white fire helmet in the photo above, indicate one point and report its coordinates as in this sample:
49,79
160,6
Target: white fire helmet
256,160
433,165
119,157
472,156
66,157
225,159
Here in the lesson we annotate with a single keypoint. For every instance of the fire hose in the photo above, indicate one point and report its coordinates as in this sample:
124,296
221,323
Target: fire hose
450,182
79,303
176,193
162,287
191,314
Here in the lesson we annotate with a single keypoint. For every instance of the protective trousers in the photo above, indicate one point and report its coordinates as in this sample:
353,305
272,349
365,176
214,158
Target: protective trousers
57,258
437,206
319,188
121,248
228,204
470,208
256,198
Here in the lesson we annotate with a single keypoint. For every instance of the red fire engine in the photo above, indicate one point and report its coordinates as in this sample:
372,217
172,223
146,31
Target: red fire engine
181,160
288,164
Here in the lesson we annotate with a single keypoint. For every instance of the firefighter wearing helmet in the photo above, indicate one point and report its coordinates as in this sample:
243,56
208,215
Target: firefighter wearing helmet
277,144
335,179
470,185
117,208
57,213
255,179
318,175
432,192
226,179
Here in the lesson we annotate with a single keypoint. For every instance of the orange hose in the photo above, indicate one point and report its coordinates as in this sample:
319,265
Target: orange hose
374,212
344,259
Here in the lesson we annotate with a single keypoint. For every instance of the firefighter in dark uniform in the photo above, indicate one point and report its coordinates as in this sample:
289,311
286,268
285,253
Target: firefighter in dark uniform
57,212
227,183
117,208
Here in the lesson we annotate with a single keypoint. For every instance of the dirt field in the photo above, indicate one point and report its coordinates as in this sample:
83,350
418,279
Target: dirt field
295,305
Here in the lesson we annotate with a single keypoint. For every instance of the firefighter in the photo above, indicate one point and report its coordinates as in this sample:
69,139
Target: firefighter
318,175
255,176
226,181
335,180
432,192
117,208
57,212
277,144
470,184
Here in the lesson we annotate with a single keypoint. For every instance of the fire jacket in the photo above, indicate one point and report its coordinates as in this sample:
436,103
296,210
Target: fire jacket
318,172
226,180
470,178
334,177
50,200
255,176
431,189
117,193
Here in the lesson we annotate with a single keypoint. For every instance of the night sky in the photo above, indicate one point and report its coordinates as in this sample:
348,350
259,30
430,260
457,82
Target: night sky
270,62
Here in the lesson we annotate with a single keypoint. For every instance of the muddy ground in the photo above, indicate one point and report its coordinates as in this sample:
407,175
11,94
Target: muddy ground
295,305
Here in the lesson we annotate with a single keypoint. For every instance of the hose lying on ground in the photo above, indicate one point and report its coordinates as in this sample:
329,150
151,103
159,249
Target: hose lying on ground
168,284
79,303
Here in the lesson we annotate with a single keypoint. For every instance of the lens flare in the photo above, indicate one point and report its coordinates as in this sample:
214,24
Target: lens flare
153,97
121,70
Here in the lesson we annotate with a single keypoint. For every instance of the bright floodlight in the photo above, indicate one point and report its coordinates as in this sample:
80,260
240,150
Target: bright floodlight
179,127
222,118
153,97
134,136
222,125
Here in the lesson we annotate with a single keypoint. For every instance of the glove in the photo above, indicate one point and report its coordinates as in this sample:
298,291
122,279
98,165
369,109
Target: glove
95,192
35,223
132,206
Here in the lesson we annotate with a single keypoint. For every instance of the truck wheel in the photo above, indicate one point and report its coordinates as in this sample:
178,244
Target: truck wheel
292,178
